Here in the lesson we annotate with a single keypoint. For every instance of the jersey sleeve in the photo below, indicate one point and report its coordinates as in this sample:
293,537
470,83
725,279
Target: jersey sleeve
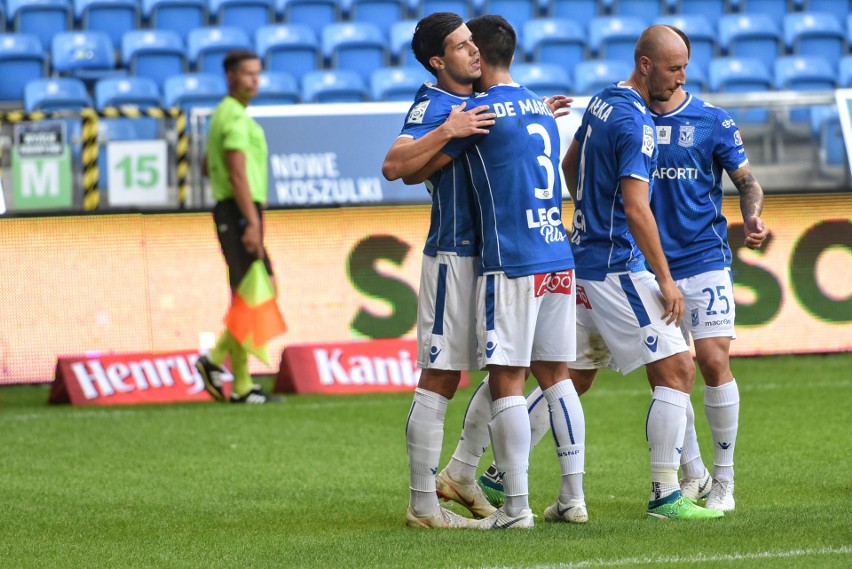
636,147
424,116
236,134
729,149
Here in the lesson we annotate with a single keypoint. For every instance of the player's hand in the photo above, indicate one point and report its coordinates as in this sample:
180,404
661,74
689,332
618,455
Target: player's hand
559,105
675,305
464,123
755,232
253,240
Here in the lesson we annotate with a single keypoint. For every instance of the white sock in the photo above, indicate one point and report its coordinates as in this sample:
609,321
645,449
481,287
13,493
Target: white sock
424,434
722,406
474,439
690,458
510,435
569,433
664,429
539,416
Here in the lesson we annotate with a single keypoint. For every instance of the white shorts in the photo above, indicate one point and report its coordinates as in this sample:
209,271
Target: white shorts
710,309
526,319
592,351
626,309
446,313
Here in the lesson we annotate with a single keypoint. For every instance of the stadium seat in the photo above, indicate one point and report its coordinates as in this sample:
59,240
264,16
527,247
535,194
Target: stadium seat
383,13
207,47
248,15
841,9
420,8
22,59
646,10
277,88
189,90
774,9
334,86
292,48
742,75
397,83
710,9
612,37
593,75
180,16
544,79
401,34
516,12
156,54
44,18
140,92
557,41
696,79
580,11
702,36
86,55
357,46
750,35
815,33
112,17
845,77
314,13
804,73
56,94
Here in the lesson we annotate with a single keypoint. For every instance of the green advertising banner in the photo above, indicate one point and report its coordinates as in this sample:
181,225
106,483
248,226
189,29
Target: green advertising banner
41,166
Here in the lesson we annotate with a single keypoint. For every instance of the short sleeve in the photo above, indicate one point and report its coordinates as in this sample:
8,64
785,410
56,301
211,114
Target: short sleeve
236,134
729,149
636,147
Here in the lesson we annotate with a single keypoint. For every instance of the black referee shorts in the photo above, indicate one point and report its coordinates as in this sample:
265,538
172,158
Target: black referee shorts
230,226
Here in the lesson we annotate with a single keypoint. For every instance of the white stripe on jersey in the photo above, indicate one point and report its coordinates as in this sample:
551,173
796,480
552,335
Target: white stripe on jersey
493,203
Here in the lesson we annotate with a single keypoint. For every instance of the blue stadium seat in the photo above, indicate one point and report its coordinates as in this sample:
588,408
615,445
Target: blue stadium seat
646,10
86,55
401,34
358,46
710,9
207,47
249,15
825,123
56,94
804,73
44,18
397,83
580,11
516,12
22,59
544,79
112,17
557,41
696,79
180,16
290,48
140,92
845,77
156,54
815,33
593,75
750,35
840,8
189,90
277,88
702,36
420,8
334,86
741,75
775,9
314,13
383,13
612,37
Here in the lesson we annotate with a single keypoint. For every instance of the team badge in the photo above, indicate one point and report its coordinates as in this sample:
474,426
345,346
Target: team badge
648,141
664,135
694,317
686,136
415,116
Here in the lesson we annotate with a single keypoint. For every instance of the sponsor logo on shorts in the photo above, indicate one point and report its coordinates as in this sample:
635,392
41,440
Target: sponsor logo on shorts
557,283
583,298
720,322
490,347
694,317
434,352
652,342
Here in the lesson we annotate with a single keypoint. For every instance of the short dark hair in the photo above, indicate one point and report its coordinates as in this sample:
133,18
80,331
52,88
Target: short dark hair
495,38
236,56
429,36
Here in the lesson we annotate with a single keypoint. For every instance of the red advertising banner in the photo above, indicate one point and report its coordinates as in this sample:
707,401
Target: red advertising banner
128,379
350,367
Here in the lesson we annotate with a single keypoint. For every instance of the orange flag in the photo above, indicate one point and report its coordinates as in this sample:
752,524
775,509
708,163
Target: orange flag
254,318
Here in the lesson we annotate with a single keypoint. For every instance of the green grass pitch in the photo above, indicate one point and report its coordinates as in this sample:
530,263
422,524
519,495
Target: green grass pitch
323,482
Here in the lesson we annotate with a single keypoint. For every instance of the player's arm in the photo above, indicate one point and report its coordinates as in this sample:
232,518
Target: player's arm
569,168
751,206
407,156
235,160
437,162
645,232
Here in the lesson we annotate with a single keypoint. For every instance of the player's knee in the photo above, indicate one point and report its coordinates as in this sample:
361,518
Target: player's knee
715,367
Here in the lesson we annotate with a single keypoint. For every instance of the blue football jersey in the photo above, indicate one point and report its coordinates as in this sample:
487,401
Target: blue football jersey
696,142
451,227
514,175
616,137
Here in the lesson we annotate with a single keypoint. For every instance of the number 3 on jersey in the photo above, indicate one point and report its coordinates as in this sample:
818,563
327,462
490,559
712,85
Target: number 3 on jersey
544,161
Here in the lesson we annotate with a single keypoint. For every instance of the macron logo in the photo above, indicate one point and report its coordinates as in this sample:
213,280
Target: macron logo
651,342
725,445
489,348
434,353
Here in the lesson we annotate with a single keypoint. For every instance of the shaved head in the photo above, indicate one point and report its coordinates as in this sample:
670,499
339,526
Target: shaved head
660,41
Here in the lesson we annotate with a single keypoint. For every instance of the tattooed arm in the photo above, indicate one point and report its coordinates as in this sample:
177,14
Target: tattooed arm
751,206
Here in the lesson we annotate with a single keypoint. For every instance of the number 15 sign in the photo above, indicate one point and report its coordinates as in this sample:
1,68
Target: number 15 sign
136,173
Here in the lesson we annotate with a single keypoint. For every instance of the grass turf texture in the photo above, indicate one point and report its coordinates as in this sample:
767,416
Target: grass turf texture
323,482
